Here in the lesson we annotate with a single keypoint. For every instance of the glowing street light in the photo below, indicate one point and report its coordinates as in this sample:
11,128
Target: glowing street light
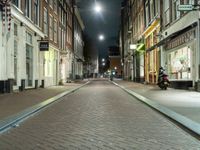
98,8
101,37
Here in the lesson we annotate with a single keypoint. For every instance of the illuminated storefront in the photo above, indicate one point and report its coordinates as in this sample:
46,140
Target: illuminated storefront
180,58
179,63
152,60
51,67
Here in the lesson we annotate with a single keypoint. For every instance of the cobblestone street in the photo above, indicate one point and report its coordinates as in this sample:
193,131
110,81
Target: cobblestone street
98,116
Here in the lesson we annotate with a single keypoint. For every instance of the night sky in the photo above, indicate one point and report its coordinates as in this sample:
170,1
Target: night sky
107,22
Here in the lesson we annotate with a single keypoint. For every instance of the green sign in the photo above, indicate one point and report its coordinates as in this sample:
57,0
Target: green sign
185,7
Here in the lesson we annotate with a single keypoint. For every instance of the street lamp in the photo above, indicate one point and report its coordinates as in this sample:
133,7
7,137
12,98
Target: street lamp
97,8
101,37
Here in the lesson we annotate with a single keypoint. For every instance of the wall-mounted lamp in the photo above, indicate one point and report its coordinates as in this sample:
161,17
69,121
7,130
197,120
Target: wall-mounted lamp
133,46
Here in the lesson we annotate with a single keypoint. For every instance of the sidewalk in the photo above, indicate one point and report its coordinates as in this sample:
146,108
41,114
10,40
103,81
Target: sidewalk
184,102
13,103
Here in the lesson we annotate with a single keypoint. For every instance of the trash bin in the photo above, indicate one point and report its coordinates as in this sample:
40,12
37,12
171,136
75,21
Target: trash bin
42,85
36,84
198,86
2,86
22,87
9,85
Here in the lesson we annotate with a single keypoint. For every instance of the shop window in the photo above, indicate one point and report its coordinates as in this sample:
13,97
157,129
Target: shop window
179,64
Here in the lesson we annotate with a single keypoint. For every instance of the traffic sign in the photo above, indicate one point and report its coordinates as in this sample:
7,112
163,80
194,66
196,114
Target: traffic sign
185,7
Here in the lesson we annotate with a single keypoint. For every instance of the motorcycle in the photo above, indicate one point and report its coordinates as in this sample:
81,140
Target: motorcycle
163,81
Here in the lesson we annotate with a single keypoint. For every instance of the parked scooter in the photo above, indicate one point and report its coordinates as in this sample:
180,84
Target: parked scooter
163,81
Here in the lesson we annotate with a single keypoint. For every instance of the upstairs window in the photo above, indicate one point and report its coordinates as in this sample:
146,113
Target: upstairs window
36,12
16,3
45,21
166,12
28,8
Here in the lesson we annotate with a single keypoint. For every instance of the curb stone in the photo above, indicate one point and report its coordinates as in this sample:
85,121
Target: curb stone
190,124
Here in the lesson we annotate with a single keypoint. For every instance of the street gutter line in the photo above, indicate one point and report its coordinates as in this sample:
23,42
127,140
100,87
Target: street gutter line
188,123
14,120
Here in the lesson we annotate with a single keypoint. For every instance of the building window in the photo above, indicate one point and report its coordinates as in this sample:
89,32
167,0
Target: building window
152,9
69,33
51,3
51,27
15,52
36,12
15,30
29,38
45,21
60,13
55,31
166,12
29,60
175,12
62,39
15,2
156,7
28,8
59,37
147,13
55,6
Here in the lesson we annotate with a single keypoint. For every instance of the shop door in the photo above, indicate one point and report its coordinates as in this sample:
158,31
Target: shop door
55,68
152,63
15,62
29,65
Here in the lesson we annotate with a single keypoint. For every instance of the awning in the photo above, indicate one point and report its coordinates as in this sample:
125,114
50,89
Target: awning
162,42
173,35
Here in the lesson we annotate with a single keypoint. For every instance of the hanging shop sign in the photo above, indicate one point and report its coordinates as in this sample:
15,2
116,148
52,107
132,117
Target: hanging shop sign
44,45
189,7
185,7
181,39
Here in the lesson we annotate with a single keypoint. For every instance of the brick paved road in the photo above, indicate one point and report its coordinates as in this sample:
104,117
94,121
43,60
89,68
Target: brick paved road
11,104
98,116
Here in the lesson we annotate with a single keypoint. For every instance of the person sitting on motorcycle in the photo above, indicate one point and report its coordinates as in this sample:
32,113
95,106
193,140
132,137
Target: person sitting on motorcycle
161,74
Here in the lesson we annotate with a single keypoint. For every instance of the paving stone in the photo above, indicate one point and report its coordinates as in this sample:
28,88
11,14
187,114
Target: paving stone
98,116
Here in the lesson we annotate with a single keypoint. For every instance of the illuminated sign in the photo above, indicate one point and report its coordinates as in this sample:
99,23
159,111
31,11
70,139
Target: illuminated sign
185,7
44,46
